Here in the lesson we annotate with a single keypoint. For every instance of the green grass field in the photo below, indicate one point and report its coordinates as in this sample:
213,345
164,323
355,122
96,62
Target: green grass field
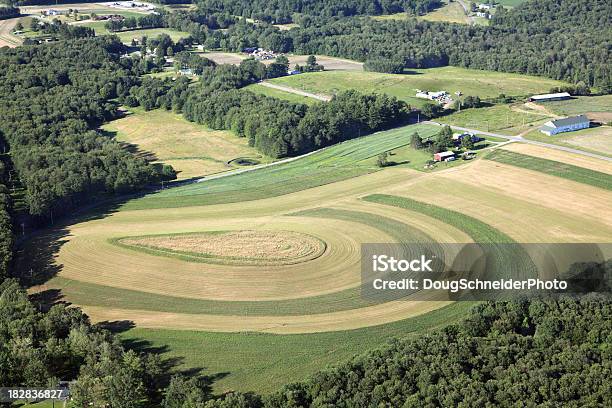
553,168
264,362
485,84
338,162
495,118
580,104
275,93
127,36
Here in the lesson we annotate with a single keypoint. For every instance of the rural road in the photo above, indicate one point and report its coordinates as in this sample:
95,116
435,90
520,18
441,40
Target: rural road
323,98
467,12
527,141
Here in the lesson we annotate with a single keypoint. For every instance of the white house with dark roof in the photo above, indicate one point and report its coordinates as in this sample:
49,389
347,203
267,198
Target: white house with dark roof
565,125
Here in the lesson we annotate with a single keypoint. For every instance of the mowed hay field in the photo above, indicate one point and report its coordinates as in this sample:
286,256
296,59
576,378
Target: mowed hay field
451,12
256,327
485,84
191,149
507,119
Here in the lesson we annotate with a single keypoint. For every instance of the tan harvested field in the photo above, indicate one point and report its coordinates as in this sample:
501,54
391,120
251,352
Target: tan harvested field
322,322
598,139
224,57
242,247
191,149
330,63
7,39
557,155
528,206
541,189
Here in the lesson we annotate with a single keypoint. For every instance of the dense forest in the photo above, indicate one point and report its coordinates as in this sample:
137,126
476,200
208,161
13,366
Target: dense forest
53,97
560,39
282,11
8,12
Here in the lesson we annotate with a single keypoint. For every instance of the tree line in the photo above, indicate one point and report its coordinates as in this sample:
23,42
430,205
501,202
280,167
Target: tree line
559,39
53,99
275,127
283,11
9,12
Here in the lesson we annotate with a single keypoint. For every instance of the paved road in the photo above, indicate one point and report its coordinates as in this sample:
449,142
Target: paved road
531,142
323,98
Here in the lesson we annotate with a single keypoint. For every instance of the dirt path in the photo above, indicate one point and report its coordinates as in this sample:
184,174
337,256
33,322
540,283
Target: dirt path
467,12
6,29
324,98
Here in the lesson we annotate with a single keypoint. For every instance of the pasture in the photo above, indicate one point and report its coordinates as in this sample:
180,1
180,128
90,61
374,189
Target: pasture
506,119
191,149
276,93
597,108
253,325
484,84
451,12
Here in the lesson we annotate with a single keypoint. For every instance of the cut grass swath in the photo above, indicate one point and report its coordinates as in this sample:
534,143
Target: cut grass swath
553,168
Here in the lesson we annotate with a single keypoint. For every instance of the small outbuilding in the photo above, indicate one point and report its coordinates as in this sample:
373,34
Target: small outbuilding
550,97
442,156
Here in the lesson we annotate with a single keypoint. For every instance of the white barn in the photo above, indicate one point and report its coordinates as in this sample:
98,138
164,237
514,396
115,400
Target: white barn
565,125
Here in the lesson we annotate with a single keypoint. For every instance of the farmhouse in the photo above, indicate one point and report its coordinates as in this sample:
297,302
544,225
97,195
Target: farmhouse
565,125
550,97
443,156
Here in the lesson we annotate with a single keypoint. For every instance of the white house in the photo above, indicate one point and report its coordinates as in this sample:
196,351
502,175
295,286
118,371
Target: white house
565,125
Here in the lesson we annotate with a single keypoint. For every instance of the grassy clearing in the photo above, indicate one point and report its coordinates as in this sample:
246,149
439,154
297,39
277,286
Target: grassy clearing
485,84
495,118
553,168
580,104
127,36
449,12
265,362
192,149
338,162
276,93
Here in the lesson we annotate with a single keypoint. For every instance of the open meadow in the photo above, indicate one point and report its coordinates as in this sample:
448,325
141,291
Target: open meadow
185,272
451,12
484,84
506,119
191,149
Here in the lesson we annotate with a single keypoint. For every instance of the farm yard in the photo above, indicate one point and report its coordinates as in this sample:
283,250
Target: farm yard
251,325
191,149
484,84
